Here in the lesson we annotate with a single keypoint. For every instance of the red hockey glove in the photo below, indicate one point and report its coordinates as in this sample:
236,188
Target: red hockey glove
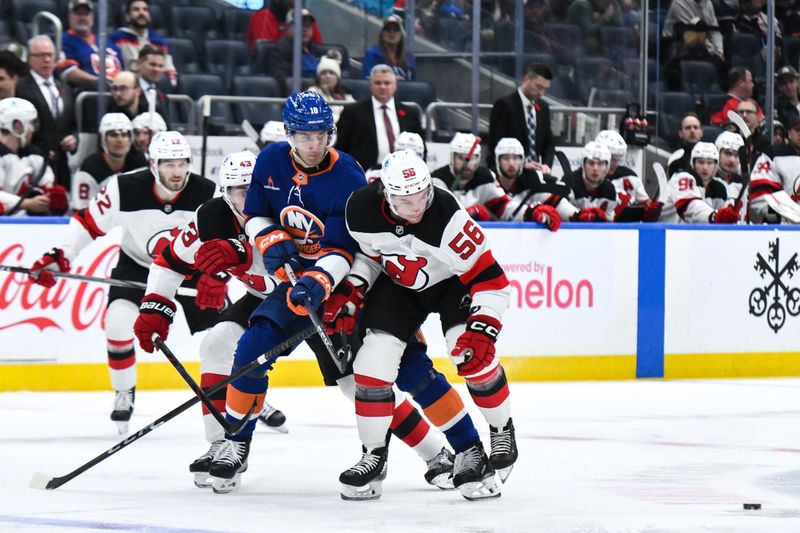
547,215
155,316
310,291
342,308
725,215
479,212
590,214
211,291
277,247
217,255
652,211
58,199
476,345
42,270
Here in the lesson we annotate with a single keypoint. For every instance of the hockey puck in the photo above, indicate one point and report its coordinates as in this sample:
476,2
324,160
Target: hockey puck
751,506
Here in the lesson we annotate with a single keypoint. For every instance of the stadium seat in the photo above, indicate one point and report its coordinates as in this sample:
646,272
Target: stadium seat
342,49
197,23
612,98
262,55
257,114
185,56
452,33
791,51
671,106
358,87
420,92
570,36
619,43
699,77
746,51
595,72
24,10
710,133
235,22
227,58
198,85
713,102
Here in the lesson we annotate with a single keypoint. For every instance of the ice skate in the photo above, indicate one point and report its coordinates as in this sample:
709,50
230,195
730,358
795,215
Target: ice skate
504,450
123,409
200,466
228,464
474,475
440,470
273,418
363,480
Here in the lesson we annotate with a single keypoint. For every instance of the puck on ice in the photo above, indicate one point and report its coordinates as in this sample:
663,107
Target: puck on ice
751,506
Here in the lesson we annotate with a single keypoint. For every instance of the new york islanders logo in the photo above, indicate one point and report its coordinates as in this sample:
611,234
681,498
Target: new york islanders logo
305,228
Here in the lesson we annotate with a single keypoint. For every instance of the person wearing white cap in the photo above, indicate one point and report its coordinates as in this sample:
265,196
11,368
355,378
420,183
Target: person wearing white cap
328,84
391,50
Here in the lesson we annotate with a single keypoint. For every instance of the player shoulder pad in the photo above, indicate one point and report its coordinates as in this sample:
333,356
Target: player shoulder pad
444,174
215,220
482,176
784,151
716,189
606,190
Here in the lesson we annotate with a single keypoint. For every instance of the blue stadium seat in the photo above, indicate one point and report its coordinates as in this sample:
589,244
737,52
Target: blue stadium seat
710,133
263,52
235,22
227,58
420,92
595,72
570,36
671,106
185,56
699,77
619,43
257,114
197,23
613,98
197,85
358,87
746,51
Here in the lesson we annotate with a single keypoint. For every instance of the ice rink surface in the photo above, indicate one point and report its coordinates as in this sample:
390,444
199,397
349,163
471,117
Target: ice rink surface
599,457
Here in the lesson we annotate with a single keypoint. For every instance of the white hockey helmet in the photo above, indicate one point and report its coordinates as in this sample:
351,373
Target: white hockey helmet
18,111
596,150
273,131
408,140
236,170
614,142
151,121
169,145
463,143
507,146
704,150
114,122
372,174
728,140
404,173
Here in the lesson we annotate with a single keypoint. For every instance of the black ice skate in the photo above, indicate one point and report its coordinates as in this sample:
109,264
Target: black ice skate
363,480
504,450
228,464
273,418
123,409
200,466
474,475
440,470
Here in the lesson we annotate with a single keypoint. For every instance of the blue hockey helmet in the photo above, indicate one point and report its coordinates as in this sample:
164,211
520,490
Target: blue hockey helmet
307,111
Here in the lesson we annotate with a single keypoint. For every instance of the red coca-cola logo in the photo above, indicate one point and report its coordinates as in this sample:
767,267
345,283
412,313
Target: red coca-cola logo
40,306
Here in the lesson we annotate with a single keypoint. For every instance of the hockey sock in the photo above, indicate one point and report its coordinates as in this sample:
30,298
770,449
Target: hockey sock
121,364
490,393
374,410
213,429
409,426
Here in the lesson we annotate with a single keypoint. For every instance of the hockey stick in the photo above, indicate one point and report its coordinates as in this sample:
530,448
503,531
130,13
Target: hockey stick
341,359
182,291
744,152
563,161
252,134
467,159
230,429
661,178
43,481
206,119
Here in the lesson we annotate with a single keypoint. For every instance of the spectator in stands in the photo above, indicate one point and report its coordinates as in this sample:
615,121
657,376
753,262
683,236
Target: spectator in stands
787,99
525,116
692,47
686,12
391,50
132,38
451,9
537,40
145,127
57,132
368,128
281,56
740,87
81,66
328,83
590,16
269,24
750,112
11,70
753,20
151,75
127,96
690,131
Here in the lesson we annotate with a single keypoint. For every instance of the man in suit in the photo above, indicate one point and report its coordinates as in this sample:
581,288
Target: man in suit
525,116
56,135
367,130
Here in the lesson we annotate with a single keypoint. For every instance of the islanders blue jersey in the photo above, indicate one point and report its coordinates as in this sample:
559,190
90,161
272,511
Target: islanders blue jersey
311,207
82,54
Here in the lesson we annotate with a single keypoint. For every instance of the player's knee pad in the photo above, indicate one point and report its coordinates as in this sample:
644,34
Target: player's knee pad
120,316
416,369
373,393
260,337
379,356
218,346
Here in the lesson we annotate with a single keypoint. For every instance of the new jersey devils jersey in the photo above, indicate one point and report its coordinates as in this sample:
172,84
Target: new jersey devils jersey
17,173
94,173
604,196
532,187
148,224
482,189
684,201
444,244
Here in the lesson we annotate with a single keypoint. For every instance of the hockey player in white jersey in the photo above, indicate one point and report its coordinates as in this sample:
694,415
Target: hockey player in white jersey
686,198
590,191
775,182
729,174
145,127
150,206
477,189
421,253
27,184
408,140
117,156
272,132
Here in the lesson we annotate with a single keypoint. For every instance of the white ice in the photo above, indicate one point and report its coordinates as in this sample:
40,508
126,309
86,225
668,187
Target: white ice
600,457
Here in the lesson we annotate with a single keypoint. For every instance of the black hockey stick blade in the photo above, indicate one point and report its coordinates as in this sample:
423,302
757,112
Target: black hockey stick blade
230,429
43,481
563,160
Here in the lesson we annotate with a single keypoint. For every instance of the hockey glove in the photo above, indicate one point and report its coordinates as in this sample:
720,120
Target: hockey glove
310,291
217,255
590,214
42,270
547,215
479,212
652,211
211,291
476,345
277,247
155,316
724,215
58,199
342,308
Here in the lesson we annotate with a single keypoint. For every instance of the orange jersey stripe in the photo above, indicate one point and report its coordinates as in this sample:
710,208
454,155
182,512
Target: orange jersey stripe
239,402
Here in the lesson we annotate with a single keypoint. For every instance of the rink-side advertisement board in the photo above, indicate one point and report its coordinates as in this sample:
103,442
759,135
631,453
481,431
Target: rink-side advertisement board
588,302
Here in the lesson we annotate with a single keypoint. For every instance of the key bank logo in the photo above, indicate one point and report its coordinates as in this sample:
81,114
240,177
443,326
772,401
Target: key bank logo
536,285
305,228
776,298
